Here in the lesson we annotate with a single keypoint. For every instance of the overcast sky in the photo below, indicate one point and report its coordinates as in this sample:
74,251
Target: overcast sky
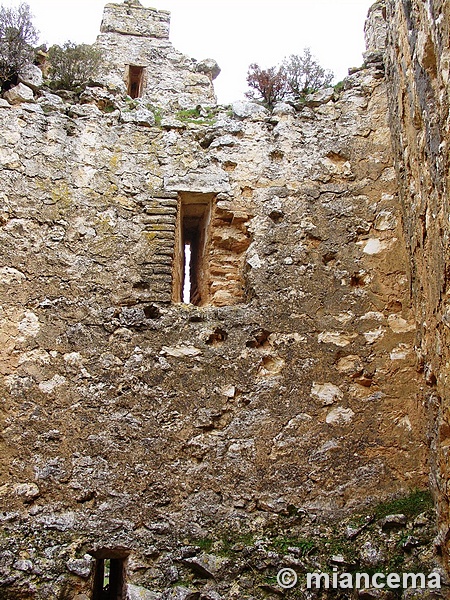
234,32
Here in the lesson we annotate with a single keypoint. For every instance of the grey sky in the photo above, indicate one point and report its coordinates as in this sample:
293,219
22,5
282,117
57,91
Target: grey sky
234,32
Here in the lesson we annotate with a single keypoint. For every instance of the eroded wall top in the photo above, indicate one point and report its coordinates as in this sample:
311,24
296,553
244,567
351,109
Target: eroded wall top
134,36
131,18
375,27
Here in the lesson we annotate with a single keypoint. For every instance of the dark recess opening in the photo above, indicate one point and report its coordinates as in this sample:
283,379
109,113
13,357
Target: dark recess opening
191,263
109,579
194,225
135,79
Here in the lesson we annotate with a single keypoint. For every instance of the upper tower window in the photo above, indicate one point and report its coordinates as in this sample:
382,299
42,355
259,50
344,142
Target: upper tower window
135,81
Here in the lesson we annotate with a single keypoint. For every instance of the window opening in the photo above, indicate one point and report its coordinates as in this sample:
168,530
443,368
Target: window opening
191,272
187,274
135,79
109,579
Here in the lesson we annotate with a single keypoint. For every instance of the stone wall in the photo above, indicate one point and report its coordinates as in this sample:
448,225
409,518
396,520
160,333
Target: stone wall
138,427
418,82
132,35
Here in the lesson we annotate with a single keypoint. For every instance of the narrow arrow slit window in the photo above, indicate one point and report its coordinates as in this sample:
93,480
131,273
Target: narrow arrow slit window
191,272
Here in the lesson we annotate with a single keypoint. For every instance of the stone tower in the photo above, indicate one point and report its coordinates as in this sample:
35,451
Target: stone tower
141,61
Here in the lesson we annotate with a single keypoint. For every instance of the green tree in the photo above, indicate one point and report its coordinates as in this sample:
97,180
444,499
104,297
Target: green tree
304,75
17,38
72,65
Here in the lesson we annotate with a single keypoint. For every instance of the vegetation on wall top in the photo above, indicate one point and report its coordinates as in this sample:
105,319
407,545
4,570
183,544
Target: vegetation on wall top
297,76
17,39
72,65
68,67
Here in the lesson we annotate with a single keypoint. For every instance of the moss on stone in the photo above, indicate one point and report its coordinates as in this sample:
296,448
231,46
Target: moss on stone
197,116
413,504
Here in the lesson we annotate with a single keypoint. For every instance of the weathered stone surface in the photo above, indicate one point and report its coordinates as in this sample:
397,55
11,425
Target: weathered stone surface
252,110
327,392
109,346
136,592
138,36
417,69
211,595
208,66
84,110
372,555
207,565
376,27
421,594
375,594
28,491
282,109
51,102
81,566
104,99
393,521
131,18
340,416
23,565
19,93
208,438
180,593
31,76
320,97
140,116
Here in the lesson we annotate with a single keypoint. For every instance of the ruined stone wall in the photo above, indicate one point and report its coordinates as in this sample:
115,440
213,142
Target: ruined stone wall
137,426
417,60
132,35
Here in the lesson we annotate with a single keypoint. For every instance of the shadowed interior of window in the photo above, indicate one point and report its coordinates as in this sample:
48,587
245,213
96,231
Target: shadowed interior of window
109,578
191,274
135,81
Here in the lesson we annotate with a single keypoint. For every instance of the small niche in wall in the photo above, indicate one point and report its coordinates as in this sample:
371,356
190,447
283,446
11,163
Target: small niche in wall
135,81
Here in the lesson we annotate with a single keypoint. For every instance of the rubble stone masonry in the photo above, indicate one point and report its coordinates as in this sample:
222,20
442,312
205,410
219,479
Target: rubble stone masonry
418,69
303,382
